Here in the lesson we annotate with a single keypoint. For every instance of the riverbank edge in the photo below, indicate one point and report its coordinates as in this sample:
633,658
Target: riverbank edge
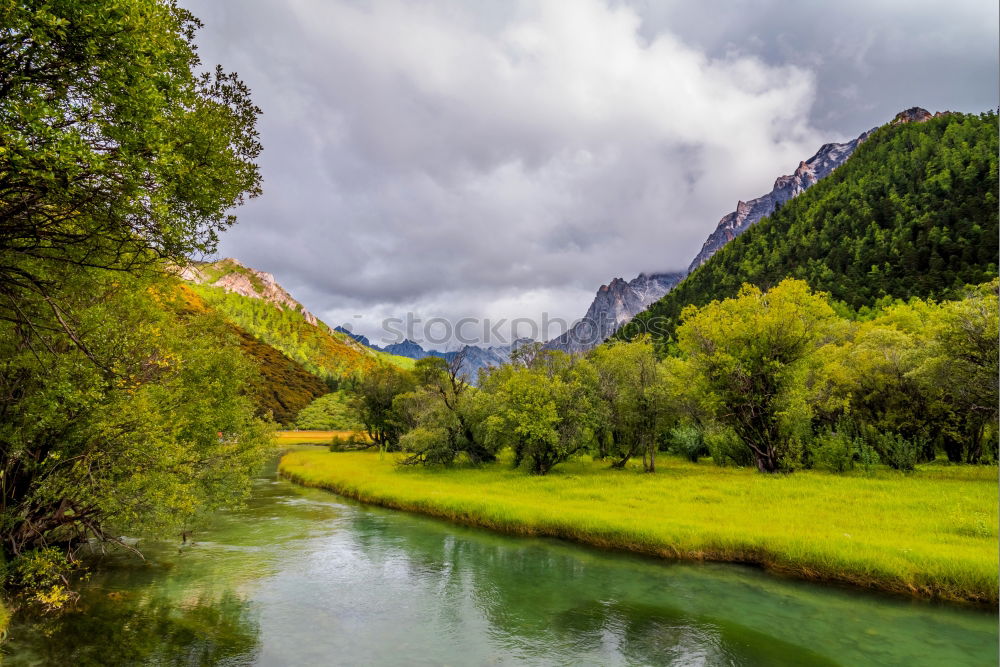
773,562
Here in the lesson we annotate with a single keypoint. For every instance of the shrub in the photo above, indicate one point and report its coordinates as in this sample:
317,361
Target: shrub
896,451
351,442
41,577
833,451
688,441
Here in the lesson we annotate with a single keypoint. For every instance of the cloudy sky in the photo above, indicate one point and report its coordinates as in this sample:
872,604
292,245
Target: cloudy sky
504,159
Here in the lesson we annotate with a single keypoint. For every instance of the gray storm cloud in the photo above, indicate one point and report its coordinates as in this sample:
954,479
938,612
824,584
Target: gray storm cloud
504,159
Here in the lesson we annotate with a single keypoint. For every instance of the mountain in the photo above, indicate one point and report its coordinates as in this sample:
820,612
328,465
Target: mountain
618,302
232,276
474,358
808,173
913,212
254,302
284,386
615,304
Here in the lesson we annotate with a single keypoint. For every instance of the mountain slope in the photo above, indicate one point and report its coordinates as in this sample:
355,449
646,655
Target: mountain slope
618,302
253,301
285,387
615,304
912,213
808,173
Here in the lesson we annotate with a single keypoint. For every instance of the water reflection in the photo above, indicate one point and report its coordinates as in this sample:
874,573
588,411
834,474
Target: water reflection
302,577
140,630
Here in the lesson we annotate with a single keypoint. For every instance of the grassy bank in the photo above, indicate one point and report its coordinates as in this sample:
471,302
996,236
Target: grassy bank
931,534
283,438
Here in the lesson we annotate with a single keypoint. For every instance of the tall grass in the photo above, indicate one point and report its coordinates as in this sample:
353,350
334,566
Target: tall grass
932,533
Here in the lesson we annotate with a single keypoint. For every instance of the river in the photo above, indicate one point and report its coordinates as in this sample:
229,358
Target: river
304,577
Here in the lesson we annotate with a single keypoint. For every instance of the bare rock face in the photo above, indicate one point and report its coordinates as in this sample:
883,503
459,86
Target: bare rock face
248,282
913,115
614,305
826,159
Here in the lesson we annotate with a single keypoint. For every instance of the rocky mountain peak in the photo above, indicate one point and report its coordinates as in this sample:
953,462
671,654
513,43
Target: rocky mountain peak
912,115
233,276
826,159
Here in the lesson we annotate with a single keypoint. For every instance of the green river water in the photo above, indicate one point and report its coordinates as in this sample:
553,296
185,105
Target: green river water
304,577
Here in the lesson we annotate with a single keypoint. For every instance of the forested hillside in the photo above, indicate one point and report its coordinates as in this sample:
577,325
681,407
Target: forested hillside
912,213
283,386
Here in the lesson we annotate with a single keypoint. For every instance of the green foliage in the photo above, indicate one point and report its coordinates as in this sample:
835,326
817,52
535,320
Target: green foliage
688,441
544,411
750,352
833,451
139,432
43,577
444,413
114,144
630,388
726,448
895,450
375,404
331,412
913,212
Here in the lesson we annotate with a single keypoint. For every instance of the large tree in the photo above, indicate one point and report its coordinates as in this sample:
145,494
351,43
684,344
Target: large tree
115,150
749,352
119,414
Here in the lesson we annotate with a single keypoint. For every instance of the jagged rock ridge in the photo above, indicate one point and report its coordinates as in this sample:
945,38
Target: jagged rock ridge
614,305
474,357
826,159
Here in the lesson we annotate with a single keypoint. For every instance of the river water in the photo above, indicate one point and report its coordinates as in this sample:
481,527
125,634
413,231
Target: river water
304,577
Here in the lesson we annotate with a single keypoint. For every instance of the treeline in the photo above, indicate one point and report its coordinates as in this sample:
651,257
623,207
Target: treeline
913,212
777,380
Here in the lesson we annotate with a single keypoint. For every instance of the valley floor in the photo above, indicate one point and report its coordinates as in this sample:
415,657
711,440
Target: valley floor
932,533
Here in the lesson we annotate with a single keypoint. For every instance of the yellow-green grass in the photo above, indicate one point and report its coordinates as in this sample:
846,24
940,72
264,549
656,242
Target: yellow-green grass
932,533
284,438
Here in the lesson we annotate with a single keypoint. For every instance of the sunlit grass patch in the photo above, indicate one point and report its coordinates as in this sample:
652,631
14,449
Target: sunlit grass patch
932,533
285,438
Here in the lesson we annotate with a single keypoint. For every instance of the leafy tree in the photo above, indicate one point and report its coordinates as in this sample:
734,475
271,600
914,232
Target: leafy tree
375,403
329,412
145,448
629,386
443,414
115,149
749,352
960,370
544,411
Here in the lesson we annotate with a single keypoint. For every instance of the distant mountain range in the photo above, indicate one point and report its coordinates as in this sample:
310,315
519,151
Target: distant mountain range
474,358
618,302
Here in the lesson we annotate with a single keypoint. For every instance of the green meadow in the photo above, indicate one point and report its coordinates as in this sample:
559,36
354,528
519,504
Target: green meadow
931,533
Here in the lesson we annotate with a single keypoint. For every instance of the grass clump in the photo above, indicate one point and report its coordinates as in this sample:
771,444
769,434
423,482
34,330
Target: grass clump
931,533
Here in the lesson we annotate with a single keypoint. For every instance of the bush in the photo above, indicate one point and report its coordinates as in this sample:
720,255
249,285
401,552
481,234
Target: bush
428,445
726,448
896,451
834,451
41,577
688,441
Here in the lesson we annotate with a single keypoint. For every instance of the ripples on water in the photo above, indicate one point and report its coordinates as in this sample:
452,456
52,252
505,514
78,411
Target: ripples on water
302,577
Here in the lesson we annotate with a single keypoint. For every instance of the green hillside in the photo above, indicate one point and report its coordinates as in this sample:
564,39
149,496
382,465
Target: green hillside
912,213
326,353
283,387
